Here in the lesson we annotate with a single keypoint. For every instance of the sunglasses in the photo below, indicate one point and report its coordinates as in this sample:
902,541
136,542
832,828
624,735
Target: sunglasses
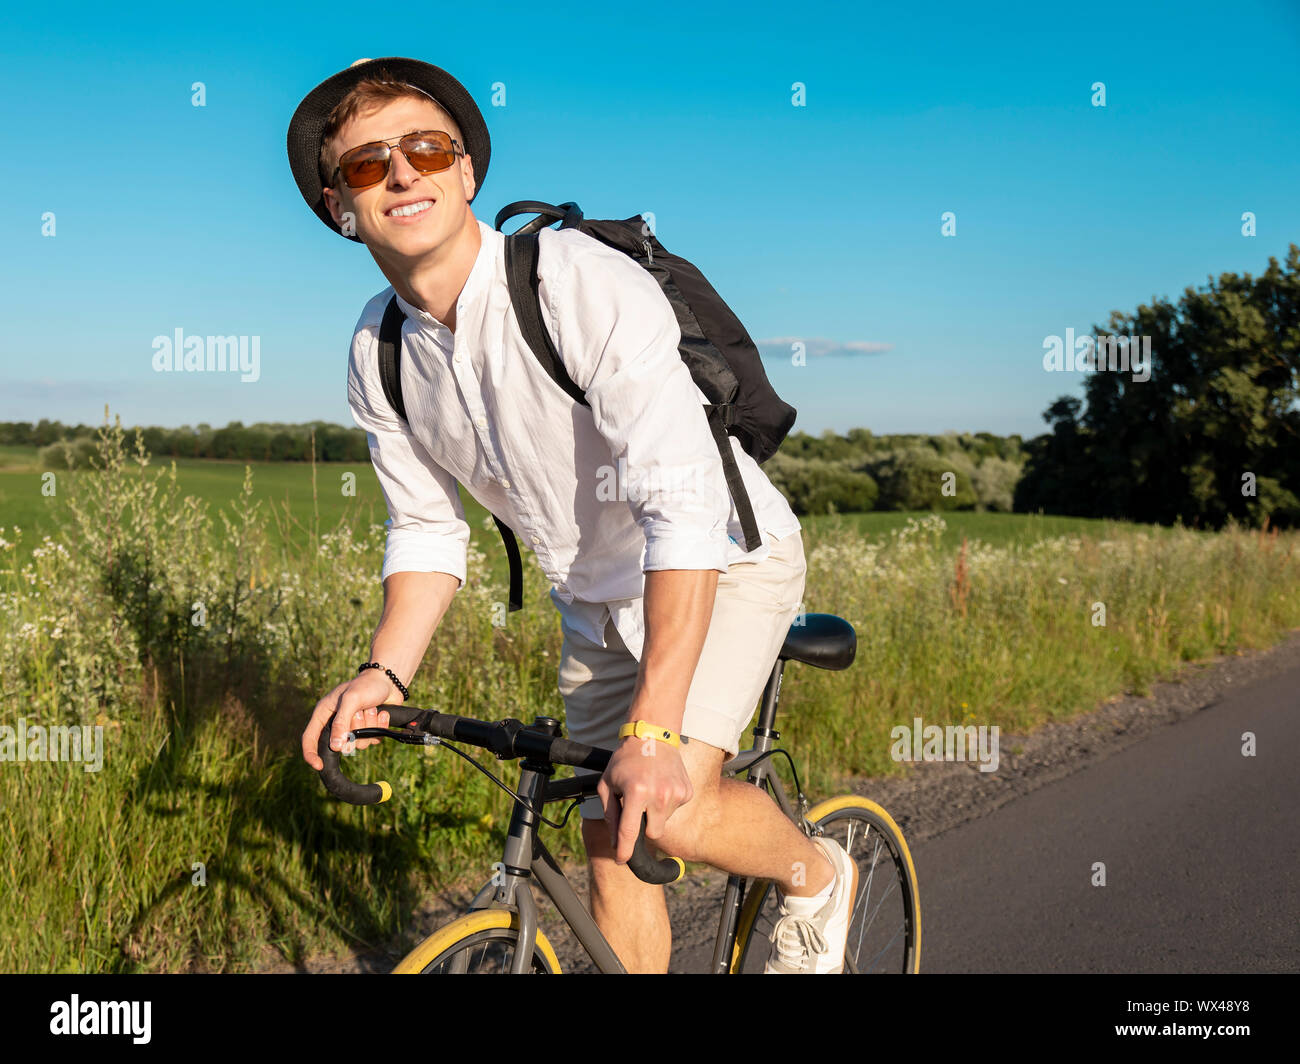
428,152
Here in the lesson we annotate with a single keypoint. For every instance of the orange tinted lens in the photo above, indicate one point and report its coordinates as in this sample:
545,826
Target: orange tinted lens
428,152
364,166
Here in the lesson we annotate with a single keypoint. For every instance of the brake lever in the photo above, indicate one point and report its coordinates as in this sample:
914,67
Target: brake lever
409,736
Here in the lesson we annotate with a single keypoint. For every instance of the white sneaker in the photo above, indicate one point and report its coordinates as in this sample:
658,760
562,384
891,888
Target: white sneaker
813,944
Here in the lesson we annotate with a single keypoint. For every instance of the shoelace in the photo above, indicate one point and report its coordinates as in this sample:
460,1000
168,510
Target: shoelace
795,937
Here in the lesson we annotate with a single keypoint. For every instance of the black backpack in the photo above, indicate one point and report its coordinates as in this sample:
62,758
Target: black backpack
724,362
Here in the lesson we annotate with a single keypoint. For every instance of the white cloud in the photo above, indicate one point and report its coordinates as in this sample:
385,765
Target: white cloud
818,346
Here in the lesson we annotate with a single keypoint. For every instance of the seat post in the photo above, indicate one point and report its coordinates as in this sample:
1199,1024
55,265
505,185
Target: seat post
771,695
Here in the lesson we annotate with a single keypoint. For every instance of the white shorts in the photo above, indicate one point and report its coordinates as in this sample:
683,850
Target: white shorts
755,605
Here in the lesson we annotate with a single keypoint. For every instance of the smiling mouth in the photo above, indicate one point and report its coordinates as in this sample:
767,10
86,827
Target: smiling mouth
409,210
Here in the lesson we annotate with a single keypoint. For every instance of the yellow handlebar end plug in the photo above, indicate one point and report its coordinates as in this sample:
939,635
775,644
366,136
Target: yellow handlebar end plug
385,791
681,868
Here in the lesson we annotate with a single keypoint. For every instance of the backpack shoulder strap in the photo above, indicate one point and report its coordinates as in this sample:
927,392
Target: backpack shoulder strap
511,544
521,277
390,356
717,415
390,375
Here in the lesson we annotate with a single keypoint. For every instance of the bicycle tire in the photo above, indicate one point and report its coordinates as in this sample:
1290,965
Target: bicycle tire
831,818
452,948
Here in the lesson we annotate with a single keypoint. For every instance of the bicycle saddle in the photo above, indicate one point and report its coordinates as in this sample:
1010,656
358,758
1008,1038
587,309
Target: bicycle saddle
822,640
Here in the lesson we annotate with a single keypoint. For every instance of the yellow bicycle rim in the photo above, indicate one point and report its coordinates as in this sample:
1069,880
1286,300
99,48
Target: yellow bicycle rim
460,929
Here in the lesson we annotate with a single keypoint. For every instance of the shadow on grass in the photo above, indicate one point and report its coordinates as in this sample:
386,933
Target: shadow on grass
289,856
355,880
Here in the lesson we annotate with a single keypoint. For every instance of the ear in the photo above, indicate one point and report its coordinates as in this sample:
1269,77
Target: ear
467,177
334,203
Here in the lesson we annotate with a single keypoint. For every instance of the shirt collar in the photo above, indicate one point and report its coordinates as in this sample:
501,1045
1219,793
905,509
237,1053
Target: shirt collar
480,276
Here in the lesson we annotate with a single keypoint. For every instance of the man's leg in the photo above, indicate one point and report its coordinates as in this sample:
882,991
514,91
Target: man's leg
731,825
597,684
632,915
739,829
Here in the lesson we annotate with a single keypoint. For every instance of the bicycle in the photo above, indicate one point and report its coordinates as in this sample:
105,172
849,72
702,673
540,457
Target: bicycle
500,931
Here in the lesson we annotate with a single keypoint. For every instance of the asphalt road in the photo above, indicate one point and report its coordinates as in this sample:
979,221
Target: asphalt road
1201,848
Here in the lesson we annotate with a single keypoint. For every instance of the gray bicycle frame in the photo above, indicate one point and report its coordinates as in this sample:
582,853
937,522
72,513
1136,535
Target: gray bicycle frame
527,858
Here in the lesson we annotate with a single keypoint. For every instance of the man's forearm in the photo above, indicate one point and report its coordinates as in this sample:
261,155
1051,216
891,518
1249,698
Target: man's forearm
414,604
678,609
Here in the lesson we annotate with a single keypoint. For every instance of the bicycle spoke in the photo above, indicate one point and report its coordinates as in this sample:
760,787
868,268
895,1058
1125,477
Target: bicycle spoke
889,943
875,859
864,901
887,893
871,919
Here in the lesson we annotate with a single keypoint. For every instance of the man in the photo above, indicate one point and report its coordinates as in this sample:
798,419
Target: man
666,619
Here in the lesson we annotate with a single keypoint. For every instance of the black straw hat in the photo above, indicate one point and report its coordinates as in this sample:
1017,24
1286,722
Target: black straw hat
307,127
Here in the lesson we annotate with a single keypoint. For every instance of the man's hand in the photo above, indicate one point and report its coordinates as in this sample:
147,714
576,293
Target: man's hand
354,706
648,776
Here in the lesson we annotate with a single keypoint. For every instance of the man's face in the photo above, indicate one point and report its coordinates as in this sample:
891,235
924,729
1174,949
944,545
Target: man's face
441,199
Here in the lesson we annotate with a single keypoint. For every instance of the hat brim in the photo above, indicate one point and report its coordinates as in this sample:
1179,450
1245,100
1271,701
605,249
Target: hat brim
307,127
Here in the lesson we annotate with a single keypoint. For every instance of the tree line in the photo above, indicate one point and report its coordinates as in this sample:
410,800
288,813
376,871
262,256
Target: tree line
260,442
1212,435
819,474
860,471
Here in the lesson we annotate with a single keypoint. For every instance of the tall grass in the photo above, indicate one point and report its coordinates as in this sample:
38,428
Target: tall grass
202,664
1020,634
206,842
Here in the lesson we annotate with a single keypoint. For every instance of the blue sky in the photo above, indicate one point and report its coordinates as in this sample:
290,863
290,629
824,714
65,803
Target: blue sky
819,223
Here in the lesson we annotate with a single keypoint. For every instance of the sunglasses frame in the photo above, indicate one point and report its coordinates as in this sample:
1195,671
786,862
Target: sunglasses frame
390,145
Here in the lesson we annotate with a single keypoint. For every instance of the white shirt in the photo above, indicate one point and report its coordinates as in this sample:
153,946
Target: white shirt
601,494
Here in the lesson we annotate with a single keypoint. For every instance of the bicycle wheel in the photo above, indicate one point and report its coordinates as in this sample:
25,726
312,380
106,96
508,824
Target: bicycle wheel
885,927
479,943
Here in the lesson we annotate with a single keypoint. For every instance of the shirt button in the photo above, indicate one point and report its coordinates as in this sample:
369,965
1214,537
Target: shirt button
505,483
481,422
536,540
460,358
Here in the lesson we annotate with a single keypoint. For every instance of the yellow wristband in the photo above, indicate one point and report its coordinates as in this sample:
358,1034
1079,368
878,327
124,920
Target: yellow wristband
642,729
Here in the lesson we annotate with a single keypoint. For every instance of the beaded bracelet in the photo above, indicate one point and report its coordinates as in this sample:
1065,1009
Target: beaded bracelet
396,682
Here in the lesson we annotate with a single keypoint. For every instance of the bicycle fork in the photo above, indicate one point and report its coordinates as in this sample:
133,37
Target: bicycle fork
511,884
509,887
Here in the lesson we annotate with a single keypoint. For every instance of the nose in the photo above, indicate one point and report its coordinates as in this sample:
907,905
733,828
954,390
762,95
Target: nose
400,171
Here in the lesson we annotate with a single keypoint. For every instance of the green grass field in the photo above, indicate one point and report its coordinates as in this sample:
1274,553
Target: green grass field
285,490
200,646
288,494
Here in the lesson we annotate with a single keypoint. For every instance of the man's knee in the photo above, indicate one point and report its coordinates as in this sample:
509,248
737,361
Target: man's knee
686,827
680,839
692,823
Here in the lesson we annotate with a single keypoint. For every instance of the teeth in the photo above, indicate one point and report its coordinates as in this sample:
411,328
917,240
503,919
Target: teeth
410,209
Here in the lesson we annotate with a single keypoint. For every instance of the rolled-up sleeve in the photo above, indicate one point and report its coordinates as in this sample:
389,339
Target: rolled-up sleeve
619,338
427,530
